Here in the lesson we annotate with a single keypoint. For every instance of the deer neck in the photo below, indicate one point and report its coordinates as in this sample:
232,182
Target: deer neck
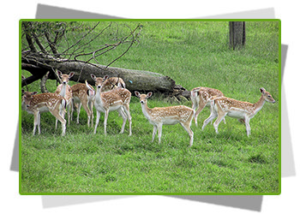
258,105
146,110
98,97
63,90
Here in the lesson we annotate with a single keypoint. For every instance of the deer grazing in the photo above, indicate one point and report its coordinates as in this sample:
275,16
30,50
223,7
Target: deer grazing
166,116
201,97
65,91
35,104
222,106
83,96
117,99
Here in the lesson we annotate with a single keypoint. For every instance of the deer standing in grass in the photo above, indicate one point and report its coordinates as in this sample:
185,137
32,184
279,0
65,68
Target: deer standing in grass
117,99
37,103
222,106
83,96
172,115
65,91
201,97
110,83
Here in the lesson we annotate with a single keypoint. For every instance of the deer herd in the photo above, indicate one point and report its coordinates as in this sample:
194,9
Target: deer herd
111,95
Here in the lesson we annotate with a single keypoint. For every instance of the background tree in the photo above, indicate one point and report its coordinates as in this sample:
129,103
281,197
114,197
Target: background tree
237,34
70,46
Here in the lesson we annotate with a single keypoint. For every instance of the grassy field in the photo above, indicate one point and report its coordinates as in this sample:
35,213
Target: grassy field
193,53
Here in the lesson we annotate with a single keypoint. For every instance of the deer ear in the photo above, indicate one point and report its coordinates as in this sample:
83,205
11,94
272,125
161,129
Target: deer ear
93,77
33,93
105,78
149,94
262,90
59,73
71,75
137,94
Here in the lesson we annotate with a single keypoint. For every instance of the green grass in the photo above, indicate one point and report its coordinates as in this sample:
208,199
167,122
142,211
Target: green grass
193,53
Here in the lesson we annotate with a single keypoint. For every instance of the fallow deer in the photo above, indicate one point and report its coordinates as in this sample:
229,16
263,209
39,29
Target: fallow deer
83,96
201,97
160,116
222,106
35,104
117,99
65,91
110,83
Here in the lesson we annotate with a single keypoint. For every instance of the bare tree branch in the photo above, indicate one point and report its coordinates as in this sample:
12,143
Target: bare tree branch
132,41
28,37
81,38
43,83
38,42
71,46
51,44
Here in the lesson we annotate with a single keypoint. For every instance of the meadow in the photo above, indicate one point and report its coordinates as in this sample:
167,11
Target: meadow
193,53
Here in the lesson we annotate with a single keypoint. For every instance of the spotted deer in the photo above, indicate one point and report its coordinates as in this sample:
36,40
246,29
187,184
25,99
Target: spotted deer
224,106
172,115
117,99
110,83
35,104
83,96
65,91
201,97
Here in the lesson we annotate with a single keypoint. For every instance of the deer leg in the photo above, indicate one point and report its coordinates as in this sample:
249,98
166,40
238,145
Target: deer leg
55,124
58,116
127,111
201,107
35,122
86,108
221,115
97,121
194,105
78,112
189,131
213,115
122,113
105,120
159,132
39,123
248,129
90,104
154,132
68,113
224,120
72,109
62,114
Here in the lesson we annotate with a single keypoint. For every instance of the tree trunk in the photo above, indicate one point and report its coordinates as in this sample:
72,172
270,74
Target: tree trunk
135,80
237,34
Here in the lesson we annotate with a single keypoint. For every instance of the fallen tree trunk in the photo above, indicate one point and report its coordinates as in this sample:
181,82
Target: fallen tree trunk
134,79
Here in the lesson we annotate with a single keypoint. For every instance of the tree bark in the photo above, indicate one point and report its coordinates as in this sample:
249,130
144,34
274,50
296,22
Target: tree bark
135,80
43,83
237,34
